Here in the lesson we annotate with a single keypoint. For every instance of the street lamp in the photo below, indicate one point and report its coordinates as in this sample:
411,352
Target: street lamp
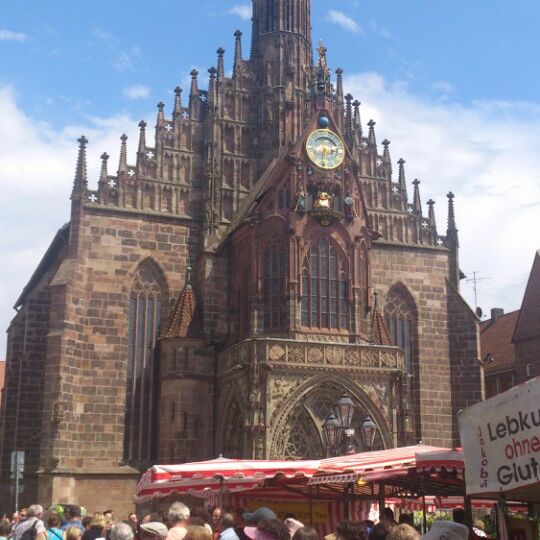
332,432
368,430
344,410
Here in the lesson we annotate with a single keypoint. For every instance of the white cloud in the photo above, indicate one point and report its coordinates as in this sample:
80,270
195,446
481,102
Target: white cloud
8,35
37,165
123,58
136,91
243,11
443,87
486,153
339,18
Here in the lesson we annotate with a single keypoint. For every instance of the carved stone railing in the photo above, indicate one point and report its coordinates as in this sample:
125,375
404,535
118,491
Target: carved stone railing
294,353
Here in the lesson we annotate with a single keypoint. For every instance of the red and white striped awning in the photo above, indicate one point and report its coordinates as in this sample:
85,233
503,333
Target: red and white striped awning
450,460
203,478
369,464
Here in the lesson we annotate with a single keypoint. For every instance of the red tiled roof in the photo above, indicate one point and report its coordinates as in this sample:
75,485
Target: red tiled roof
496,340
528,324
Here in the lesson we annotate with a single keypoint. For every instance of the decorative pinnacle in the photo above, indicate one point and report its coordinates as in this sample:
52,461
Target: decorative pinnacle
142,138
417,206
401,179
220,67
177,111
237,52
371,135
451,232
431,215
339,86
357,123
122,165
160,106
80,182
104,173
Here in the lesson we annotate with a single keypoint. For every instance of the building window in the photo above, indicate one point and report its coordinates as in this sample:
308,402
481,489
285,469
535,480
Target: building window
142,384
400,317
324,289
275,306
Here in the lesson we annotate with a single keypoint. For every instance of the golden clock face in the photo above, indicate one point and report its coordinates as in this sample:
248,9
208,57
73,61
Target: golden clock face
325,149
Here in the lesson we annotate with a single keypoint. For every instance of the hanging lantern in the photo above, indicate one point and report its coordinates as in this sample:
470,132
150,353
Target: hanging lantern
344,410
368,431
331,431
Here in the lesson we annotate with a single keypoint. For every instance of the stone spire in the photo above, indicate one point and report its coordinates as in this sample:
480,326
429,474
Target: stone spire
357,121
348,118
194,94
122,164
104,172
80,183
160,123
212,89
339,98
452,243
372,142
339,87
387,162
401,179
182,314
141,150
417,205
177,111
220,64
452,232
237,53
431,215
379,332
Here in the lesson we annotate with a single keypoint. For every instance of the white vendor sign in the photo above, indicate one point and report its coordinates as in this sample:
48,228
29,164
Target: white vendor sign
501,441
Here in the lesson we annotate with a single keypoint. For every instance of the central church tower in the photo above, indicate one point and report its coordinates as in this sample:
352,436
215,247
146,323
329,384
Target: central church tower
281,58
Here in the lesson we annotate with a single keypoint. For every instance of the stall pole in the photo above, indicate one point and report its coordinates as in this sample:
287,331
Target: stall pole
382,501
346,490
310,503
468,511
424,519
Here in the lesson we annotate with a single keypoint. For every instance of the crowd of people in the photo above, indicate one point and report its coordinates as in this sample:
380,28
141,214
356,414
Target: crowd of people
181,523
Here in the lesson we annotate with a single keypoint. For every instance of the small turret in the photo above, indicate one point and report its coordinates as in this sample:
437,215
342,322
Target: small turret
220,64
451,232
80,183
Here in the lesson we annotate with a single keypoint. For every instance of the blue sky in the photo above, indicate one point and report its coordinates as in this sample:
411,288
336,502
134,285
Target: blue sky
453,85
78,57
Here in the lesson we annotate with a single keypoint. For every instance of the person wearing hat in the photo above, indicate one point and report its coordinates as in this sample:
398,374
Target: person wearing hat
253,518
153,530
268,529
447,530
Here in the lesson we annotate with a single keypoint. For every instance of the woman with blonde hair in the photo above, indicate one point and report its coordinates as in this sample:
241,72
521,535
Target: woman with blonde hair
73,533
96,528
198,532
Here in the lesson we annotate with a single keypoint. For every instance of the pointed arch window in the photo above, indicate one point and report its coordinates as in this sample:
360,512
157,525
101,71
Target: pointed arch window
400,318
274,264
145,306
324,288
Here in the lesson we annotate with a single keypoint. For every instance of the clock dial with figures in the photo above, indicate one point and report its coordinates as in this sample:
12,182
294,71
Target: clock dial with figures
325,149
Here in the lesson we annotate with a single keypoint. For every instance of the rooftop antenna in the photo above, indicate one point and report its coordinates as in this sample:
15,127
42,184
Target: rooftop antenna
475,280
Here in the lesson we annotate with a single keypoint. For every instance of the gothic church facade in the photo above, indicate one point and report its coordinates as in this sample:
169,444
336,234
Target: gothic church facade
260,259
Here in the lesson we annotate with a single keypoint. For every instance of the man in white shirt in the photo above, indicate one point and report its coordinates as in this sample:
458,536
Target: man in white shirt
34,521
